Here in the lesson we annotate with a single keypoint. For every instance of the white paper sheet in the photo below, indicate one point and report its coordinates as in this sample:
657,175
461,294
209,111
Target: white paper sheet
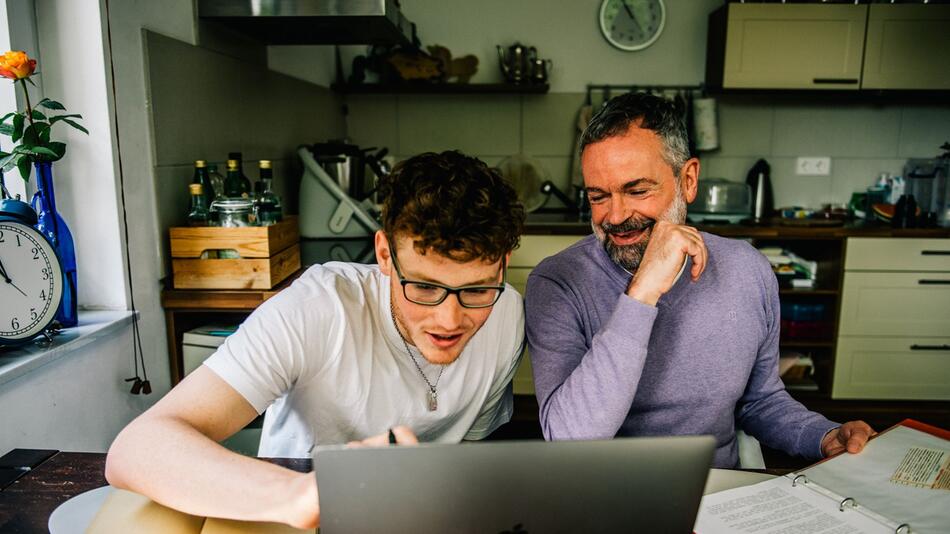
776,507
866,478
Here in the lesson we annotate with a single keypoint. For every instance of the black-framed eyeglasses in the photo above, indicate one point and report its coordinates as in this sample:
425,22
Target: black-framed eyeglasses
433,294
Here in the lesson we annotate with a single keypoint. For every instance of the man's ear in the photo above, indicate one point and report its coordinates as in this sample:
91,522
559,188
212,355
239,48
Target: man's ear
689,179
383,254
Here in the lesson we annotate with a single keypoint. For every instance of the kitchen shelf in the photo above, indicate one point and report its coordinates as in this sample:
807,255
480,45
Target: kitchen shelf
441,88
804,292
806,343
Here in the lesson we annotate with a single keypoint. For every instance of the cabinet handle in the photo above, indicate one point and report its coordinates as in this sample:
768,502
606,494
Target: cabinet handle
934,282
929,347
935,252
818,81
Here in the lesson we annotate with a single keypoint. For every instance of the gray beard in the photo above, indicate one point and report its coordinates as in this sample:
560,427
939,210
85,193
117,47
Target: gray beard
628,257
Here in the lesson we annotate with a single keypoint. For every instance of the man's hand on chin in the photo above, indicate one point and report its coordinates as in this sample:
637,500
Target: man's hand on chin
851,437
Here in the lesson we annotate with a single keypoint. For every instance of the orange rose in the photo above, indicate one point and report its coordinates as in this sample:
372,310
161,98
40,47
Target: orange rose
16,65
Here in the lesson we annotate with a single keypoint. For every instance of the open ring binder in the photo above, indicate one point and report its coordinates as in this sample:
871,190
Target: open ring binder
845,501
862,492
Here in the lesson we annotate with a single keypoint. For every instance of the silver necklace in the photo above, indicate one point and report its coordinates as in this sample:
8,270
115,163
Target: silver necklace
432,397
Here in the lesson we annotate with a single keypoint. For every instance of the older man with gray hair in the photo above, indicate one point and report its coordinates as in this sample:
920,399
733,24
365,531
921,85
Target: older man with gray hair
622,345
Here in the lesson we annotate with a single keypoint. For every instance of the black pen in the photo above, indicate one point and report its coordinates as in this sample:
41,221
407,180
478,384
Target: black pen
392,437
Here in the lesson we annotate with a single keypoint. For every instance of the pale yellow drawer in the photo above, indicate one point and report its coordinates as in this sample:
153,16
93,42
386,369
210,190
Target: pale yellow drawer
892,368
535,248
897,254
523,382
895,304
518,277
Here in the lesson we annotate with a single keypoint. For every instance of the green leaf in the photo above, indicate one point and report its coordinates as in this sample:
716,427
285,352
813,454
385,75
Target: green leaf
25,168
7,116
33,133
38,115
8,161
17,128
57,118
51,104
45,152
76,125
58,148
6,129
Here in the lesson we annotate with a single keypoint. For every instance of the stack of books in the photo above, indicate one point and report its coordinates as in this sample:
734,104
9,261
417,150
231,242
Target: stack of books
790,269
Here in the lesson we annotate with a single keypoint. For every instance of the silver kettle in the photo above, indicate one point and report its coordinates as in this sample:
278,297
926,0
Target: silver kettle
516,63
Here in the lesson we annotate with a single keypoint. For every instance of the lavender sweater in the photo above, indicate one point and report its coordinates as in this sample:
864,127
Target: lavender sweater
703,361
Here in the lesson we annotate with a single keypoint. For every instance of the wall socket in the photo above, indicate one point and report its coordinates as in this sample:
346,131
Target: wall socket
813,166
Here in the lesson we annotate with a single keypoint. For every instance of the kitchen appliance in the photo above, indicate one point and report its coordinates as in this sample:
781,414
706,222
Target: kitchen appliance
758,180
721,201
326,209
926,180
517,62
295,22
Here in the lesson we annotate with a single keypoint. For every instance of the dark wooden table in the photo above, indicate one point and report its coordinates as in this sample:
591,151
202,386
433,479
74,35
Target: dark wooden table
25,505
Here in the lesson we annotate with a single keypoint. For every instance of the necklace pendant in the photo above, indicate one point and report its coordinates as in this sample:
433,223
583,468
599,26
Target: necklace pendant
433,401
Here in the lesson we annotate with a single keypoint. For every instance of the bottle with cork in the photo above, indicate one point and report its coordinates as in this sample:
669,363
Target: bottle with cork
199,214
267,208
235,184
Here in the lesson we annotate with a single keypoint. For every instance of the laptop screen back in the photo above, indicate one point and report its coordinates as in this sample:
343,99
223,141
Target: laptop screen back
620,485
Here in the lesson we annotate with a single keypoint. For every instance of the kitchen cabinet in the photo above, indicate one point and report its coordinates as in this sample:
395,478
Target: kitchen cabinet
908,47
533,249
829,47
894,333
779,46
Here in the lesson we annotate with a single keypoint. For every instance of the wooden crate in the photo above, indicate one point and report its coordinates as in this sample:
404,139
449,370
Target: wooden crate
268,255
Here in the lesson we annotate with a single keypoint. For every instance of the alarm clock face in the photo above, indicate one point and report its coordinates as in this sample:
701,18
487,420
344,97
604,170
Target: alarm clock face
31,282
632,24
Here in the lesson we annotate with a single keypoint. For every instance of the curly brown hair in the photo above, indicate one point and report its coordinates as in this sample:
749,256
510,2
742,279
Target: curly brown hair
452,204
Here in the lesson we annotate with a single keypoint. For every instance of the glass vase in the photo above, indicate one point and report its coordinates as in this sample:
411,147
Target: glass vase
51,224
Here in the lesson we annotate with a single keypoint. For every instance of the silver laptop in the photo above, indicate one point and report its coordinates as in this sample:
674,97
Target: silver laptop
621,485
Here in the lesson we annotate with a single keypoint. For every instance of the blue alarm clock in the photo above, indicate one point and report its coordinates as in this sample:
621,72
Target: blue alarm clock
31,276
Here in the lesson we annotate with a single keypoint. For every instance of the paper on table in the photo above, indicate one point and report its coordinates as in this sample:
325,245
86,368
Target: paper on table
777,507
866,478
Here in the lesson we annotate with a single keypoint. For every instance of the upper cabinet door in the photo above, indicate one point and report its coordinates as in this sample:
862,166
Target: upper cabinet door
781,46
908,47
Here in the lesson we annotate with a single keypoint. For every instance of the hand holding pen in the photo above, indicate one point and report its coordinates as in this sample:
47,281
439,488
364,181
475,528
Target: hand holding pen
397,435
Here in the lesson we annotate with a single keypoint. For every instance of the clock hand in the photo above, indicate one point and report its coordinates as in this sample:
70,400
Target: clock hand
3,272
632,16
15,287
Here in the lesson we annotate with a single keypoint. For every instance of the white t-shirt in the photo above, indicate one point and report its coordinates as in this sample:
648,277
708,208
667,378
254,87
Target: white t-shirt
325,360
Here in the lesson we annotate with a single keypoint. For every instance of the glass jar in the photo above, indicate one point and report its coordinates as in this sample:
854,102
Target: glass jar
233,212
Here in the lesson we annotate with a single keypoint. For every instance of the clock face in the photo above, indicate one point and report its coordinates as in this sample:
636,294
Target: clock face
31,282
632,24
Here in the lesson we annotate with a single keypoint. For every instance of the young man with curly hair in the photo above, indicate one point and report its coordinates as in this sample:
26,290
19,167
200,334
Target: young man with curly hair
425,343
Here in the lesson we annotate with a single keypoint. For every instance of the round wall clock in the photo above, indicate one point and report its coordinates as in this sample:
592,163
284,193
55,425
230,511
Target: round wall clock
31,279
632,24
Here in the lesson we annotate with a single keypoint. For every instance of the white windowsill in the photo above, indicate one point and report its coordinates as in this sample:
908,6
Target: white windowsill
93,326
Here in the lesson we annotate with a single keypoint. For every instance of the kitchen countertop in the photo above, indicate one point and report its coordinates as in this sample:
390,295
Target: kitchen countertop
562,224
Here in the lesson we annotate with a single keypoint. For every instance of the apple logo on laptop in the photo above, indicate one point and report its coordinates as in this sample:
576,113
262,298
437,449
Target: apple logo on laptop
517,529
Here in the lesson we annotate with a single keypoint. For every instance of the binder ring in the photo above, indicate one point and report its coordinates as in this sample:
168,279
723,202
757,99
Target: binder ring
795,480
903,528
845,501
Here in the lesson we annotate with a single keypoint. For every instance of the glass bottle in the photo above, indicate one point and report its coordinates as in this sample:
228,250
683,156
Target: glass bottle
202,177
235,186
217,181
239,157
54,228
267,206
199,214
